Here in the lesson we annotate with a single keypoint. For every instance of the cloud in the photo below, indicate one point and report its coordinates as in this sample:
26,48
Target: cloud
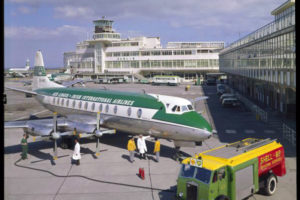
73,11
34,33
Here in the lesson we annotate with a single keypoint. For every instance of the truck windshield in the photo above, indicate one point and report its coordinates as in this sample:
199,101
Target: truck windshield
187,170
203,175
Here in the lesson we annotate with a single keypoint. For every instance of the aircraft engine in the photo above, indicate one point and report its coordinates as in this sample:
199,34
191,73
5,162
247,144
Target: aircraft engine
81,127
38,130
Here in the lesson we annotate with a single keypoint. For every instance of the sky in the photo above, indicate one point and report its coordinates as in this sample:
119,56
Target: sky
55,26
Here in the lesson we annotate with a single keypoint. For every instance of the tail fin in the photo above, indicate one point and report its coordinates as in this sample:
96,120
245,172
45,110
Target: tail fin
40,80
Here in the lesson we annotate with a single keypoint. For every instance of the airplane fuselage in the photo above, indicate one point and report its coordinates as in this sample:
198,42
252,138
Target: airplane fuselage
129,112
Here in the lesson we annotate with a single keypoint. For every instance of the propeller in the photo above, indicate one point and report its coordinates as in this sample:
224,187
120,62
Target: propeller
98,134
55,135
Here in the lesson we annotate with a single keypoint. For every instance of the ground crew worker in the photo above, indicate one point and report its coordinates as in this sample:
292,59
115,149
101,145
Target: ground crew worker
24,146
157,149
131,148
76,155
141,144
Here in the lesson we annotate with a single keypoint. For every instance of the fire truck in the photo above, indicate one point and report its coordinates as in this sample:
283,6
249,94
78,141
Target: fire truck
234,171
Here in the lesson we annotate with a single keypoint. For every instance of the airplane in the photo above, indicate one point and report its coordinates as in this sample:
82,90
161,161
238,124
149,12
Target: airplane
95,112
61,77
19,72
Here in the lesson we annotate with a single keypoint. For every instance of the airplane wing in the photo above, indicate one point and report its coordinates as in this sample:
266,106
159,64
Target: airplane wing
48,122
20,90
74,82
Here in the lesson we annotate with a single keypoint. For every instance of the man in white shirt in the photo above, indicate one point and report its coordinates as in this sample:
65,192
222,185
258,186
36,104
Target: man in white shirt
141,144
76,155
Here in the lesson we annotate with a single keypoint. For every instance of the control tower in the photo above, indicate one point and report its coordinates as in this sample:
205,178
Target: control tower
104,30
103,36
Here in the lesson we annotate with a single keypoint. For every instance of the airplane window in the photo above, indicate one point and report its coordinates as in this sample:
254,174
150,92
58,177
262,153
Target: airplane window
53,100
67,103
139,113
86,105
184,108
107,108
80,104
129,111
62,102
190,107
74,103
178,109
57,101
100,107
115,109
174,108
93,106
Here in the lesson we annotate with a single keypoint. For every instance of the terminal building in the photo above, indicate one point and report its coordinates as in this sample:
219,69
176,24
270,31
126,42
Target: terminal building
262,65
108,53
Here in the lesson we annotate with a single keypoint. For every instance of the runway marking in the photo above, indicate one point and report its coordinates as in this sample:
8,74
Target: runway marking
230,131
269,131
249,131
32,114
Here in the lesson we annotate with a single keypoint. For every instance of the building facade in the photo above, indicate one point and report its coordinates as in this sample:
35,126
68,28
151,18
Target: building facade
108,53
262,65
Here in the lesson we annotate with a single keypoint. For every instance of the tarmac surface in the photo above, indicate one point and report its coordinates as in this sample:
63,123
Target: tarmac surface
111,175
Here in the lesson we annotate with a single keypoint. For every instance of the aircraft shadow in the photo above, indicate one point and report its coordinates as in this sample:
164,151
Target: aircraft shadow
118,140
222,121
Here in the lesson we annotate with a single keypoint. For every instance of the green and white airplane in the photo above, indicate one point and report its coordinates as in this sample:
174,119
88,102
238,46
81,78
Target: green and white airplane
157,115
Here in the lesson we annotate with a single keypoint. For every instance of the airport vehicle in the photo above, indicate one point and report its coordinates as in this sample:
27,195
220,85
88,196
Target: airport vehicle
221,89
233,171
19,72
231,101
226,95
166,80
211,82
137,113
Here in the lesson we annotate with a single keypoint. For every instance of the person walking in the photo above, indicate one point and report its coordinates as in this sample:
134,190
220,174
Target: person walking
141,144
24,146
131,148
76,155
157,149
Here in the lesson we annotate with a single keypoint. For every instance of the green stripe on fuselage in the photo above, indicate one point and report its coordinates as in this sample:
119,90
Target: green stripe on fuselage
104,96
192,119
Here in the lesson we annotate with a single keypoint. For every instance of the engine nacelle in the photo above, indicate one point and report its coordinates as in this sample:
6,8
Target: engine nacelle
38,130
81,127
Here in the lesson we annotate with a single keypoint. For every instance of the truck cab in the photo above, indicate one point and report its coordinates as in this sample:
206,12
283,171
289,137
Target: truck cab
196,182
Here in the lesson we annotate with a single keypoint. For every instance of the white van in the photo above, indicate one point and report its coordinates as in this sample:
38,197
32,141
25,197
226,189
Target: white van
226,95
231,101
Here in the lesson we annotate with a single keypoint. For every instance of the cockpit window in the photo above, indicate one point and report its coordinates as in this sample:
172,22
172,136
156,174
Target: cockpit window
174,108
190,107
184,108
178,109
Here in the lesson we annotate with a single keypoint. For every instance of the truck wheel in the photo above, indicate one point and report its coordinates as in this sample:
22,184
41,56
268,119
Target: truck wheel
270,185
222,197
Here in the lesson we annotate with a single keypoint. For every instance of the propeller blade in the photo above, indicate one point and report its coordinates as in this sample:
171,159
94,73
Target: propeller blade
98,129
55,150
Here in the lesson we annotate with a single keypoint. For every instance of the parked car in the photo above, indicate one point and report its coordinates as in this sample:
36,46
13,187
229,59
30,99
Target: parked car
221,89
231,102
226,95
